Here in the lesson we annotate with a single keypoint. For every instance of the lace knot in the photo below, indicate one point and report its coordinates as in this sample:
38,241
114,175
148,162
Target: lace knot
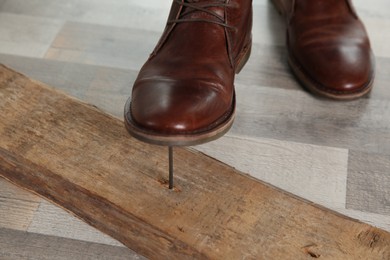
203,7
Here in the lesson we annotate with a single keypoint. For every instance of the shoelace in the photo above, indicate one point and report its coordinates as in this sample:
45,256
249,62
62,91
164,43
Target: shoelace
202,7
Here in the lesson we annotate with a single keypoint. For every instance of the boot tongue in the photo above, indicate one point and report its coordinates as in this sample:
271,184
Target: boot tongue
192,13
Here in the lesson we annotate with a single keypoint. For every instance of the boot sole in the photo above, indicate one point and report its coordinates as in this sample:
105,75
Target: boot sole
187,139
178,139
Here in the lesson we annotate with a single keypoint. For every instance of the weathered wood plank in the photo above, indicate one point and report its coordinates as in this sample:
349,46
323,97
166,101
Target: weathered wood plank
83,160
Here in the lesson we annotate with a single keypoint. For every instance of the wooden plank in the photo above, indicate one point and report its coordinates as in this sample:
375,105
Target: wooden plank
17,245
83,160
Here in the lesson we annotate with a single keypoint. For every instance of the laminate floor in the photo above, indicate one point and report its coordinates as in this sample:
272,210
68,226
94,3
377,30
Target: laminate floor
336,154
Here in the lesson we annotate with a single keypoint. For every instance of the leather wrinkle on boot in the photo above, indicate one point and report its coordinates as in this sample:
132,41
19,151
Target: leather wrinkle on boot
194,6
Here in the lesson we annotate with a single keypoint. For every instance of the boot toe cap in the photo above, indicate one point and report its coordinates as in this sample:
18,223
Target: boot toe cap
171,107
339,72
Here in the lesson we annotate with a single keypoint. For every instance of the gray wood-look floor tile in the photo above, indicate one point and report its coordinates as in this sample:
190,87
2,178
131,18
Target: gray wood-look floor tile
27,35
382,78
85,82
368,182
103,45
52,220
110,90
8,190
74,79
294,115
146,15
267,66
17,245
268,24
379,8
16,214
316,173
376,220
17,207
376,17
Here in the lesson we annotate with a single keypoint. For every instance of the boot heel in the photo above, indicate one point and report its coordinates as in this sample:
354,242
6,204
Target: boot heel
246,53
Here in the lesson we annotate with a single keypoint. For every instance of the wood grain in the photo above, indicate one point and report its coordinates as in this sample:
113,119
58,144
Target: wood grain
83,160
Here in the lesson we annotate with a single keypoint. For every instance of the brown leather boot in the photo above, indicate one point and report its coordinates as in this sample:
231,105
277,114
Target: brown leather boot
184,93
329,50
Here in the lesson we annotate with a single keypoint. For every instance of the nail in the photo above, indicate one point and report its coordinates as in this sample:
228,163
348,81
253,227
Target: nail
170,153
